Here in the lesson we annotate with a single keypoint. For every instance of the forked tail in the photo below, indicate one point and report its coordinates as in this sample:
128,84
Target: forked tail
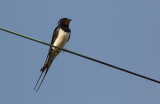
45,67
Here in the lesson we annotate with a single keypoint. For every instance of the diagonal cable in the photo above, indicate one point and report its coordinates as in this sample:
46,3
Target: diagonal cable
89,58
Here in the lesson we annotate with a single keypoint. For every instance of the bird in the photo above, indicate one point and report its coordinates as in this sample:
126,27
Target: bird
61,36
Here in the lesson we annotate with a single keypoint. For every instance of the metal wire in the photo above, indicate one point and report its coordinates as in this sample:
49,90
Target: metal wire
89,58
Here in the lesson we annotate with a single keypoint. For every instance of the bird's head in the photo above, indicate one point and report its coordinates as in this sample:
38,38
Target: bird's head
64,22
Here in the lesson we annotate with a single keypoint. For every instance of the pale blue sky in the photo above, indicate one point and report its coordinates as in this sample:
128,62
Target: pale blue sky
125,33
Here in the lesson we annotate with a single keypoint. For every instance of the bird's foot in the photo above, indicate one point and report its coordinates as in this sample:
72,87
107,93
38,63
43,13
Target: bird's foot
64,50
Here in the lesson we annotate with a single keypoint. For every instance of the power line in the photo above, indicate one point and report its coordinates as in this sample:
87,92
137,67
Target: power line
89,58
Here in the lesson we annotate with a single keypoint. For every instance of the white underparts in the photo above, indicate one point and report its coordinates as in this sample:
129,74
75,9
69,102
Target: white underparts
61,39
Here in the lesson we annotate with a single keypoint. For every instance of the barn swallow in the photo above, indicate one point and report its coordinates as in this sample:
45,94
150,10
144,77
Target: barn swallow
61,36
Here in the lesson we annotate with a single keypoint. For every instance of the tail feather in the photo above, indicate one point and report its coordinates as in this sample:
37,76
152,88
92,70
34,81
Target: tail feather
38,81
44,67
42,80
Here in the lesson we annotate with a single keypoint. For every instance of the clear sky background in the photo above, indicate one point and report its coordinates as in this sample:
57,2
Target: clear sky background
125,33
